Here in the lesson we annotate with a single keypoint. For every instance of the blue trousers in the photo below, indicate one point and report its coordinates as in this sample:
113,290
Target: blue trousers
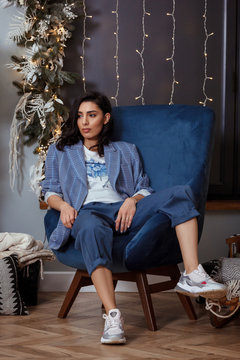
94,227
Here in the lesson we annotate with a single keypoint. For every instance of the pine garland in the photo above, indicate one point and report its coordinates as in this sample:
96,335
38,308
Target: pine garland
42,28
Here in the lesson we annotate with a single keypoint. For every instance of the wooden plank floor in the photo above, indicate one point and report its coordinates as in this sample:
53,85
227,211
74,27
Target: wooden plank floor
41,335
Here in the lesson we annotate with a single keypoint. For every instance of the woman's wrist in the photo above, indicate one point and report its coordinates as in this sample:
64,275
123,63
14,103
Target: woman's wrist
134,199
63,204
137,198
57,203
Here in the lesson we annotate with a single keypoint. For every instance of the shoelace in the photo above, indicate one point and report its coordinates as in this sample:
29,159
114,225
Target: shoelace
111,321
203,275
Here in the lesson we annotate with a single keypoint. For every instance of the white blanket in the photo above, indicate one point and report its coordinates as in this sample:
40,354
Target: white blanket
19,241
26,247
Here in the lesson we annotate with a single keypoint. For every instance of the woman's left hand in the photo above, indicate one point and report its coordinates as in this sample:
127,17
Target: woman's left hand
125,215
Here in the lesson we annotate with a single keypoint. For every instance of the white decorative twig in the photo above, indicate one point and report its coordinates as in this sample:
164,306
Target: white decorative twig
171,58
15,134
116,33
21,24
140,53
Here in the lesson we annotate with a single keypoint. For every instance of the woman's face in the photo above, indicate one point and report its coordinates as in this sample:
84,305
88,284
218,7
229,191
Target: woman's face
90,122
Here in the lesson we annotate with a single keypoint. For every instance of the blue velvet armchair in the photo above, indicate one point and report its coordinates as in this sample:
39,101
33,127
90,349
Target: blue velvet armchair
175,143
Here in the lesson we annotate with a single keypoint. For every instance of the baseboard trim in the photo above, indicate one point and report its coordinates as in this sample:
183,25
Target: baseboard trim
61,280
58,281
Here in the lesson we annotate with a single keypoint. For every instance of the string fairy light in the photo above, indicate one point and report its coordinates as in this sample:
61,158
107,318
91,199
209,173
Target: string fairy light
140,53
116,33
85,37
206,77
171,58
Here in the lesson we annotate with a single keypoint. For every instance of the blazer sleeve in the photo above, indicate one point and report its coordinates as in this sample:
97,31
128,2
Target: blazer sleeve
51,182
141,180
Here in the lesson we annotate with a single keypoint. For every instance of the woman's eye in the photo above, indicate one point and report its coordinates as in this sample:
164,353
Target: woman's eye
92,115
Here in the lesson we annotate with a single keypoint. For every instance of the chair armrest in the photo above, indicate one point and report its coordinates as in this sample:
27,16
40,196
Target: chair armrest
43,205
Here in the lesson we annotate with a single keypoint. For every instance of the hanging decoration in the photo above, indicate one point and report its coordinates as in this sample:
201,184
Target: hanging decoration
141,53
42,29
85,37
206,77
116,33
171,58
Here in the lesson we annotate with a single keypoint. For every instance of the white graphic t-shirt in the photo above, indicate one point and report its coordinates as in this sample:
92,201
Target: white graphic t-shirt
99,187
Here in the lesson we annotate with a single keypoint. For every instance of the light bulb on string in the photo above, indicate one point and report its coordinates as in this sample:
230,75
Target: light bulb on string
171,58
116,33
82,57
141,53
206,77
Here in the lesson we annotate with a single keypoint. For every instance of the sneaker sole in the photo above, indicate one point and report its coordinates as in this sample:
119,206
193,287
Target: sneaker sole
113,341
212,294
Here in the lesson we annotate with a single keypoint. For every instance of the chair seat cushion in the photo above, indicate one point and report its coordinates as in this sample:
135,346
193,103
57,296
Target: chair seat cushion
72,257
136,251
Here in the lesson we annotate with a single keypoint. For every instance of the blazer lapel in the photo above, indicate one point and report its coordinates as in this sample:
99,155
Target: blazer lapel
112,159
75,155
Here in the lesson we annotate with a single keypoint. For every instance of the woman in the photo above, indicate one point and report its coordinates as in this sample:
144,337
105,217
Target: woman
100,189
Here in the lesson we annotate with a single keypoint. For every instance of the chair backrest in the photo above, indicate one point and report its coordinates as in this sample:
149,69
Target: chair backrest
175,142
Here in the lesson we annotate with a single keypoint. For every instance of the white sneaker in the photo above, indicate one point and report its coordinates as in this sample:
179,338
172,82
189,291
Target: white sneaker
113,332
200,283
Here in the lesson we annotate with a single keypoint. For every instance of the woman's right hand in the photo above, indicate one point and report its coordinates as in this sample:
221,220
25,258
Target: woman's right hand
67,215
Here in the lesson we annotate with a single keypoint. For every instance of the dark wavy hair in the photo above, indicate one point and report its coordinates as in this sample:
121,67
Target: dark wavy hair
70,131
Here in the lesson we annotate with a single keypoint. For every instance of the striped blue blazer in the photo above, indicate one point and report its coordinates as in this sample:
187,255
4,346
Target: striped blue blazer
66,175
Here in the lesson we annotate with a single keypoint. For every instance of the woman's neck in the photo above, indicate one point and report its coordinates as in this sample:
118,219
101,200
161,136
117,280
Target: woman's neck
91,145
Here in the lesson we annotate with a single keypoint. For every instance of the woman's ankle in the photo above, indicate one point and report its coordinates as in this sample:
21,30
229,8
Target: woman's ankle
189,269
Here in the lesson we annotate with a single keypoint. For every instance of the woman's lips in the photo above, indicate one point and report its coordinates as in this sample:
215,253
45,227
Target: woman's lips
86,130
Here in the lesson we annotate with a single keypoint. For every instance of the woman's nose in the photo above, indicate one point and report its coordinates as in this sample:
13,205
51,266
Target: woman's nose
85,120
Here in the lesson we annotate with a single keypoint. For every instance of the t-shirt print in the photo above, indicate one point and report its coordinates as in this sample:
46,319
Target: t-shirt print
96,169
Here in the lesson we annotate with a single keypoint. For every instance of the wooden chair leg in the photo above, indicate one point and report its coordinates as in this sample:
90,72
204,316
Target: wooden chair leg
145,296
188,306
78,281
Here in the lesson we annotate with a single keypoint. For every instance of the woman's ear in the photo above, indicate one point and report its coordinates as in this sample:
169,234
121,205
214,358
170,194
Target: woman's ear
107,117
